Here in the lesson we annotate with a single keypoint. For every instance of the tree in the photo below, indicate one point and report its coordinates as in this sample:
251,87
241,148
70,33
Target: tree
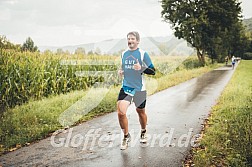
29,45
80,51
248,34
202,23
6,44
224,17
239,42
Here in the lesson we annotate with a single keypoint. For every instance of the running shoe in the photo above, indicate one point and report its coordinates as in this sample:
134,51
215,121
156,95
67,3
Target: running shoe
143,137
125,142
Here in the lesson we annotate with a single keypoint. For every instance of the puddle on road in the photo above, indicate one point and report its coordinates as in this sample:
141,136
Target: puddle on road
203,83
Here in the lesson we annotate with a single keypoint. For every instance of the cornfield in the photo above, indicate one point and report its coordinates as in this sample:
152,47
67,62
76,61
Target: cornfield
33,75
26,75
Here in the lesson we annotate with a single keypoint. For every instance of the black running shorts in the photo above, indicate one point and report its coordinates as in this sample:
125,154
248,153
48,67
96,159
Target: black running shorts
139,98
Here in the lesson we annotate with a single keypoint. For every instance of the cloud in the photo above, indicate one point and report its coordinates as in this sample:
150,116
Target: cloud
246,8
62,22
68,22
5,14
11,2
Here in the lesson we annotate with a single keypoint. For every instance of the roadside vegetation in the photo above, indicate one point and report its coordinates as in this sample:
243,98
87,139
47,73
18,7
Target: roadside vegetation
39,88
227,138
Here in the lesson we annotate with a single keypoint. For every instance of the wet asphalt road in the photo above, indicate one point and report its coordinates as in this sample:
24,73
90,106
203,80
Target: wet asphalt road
175,116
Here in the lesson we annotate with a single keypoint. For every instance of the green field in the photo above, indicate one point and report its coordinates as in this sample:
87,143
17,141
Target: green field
227,140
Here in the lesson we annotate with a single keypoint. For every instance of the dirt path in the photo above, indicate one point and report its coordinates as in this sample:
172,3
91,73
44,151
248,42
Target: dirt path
175,116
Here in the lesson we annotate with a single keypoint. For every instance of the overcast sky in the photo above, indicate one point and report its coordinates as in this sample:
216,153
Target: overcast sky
73,22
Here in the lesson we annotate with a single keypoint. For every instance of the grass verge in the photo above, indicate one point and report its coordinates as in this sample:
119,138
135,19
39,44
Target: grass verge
37,119
227,138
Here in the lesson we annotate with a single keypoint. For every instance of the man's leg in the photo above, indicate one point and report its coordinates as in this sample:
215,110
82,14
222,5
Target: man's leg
142,117
122,106
143,121
140,102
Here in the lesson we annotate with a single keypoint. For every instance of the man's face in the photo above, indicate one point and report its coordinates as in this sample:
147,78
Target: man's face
132,42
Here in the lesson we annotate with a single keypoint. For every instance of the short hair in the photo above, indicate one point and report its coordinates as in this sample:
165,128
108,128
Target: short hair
134,33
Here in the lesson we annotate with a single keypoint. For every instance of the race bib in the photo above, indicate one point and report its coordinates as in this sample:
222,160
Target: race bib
129,91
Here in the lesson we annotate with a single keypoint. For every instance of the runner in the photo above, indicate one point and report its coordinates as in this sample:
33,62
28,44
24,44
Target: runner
226,60
233,62
135,62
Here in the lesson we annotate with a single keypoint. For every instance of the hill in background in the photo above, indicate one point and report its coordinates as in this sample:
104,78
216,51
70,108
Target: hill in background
168,45
248,24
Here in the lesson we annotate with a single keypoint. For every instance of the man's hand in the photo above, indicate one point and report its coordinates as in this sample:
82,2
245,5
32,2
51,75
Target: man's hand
137,66
120,72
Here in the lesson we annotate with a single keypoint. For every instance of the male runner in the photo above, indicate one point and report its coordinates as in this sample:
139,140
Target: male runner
135,63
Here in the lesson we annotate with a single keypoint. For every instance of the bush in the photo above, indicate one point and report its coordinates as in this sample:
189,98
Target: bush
247,56
192,63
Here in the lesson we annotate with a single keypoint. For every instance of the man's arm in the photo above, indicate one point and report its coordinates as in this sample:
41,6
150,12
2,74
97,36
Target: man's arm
147,70
150,70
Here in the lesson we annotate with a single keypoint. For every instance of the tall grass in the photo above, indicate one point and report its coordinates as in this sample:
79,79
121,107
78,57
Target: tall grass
228,139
